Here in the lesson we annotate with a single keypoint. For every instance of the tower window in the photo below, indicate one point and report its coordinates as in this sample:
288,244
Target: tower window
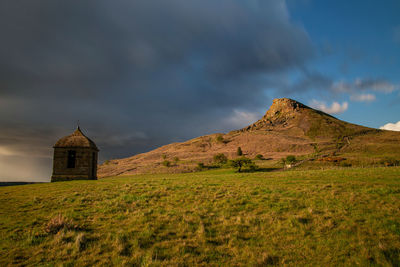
71,159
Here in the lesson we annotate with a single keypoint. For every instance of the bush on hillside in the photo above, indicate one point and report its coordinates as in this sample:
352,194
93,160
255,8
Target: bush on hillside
200,166
220,159
290,159
166,163
259,157
219,139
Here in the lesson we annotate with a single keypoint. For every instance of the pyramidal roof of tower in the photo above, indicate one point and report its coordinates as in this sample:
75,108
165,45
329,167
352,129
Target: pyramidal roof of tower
75,140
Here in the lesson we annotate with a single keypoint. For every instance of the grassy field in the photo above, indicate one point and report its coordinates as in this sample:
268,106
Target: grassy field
321,217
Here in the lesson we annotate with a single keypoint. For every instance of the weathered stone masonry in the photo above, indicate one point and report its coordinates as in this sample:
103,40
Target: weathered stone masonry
75,158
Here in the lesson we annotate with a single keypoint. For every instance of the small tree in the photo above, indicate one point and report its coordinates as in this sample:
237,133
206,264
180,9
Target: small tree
176,159
239,151
164,156
220,158
242,162
166,163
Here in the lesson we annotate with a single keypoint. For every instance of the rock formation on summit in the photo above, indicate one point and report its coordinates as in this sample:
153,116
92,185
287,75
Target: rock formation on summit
280,113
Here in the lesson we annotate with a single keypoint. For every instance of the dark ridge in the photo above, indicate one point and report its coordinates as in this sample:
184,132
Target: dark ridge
18,183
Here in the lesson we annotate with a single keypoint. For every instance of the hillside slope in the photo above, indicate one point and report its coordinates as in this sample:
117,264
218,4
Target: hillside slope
288,127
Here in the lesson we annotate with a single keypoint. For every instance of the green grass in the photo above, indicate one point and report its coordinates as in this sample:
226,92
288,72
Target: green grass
326,218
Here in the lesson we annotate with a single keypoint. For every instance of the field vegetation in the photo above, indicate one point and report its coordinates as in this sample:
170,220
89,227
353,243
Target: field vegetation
333,217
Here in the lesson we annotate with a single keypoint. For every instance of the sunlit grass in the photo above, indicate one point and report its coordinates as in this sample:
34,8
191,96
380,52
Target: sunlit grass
331,217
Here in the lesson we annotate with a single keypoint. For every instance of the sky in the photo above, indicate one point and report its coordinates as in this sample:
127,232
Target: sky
145,73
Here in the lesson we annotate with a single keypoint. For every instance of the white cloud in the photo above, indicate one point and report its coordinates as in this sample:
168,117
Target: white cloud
241,118
363,97
377,85
391,126
335,108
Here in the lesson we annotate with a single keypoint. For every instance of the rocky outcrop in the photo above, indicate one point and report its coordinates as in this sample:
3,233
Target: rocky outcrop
281,113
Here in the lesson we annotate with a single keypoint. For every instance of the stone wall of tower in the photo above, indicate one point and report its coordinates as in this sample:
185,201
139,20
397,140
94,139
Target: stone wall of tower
85,164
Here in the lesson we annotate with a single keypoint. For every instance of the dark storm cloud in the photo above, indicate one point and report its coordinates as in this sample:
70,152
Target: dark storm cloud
309,81
145,72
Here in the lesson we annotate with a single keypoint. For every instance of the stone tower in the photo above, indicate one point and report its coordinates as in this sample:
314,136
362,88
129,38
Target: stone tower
75,158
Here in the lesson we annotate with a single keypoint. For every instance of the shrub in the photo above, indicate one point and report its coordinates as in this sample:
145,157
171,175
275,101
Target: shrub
164,156
166,163
259,157
200,166
220,158
290,159
219,139
176,159
239,151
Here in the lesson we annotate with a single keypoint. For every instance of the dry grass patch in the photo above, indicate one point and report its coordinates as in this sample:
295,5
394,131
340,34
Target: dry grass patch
58,223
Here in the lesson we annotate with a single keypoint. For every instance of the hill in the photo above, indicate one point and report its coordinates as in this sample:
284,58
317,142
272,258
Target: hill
287,128
16,183
338,217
